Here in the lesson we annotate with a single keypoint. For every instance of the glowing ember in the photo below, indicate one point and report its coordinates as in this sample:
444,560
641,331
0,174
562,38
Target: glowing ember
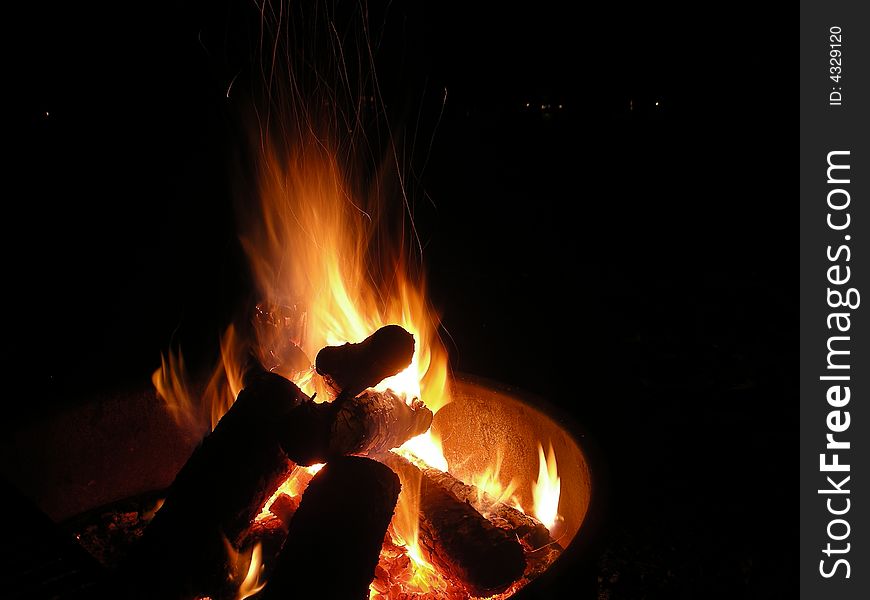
547,489
403,573
293,486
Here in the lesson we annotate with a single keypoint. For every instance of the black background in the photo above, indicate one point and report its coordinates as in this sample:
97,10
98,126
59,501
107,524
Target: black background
635,267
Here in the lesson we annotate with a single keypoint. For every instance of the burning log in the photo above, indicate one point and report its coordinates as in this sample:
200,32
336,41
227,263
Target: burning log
337,532
530,531
372,422
351,368
215,496
457,539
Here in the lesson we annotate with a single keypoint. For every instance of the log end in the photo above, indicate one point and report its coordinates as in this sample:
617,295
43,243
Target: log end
337,533
354,367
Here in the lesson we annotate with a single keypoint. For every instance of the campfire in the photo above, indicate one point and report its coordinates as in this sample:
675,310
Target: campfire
339,458
359,491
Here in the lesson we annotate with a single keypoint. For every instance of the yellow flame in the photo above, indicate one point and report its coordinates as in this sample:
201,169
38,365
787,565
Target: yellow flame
249,563
425,447
490,489
251,583
547,489
426,578
422,449
422,577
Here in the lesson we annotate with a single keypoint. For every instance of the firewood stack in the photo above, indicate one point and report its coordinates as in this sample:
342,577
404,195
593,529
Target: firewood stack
329,543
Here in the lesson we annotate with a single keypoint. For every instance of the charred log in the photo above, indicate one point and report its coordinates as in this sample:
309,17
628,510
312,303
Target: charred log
336,534
370,423
351,368
457,539
528,530
215,496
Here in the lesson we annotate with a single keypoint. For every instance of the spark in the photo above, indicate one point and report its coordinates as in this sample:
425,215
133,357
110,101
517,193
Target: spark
232,81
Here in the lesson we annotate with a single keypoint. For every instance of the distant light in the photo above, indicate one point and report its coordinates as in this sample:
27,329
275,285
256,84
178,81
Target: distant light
528,104
46,114
657,103
543,107
560,107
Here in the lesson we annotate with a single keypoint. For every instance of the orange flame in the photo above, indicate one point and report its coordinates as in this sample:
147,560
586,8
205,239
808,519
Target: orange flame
172,383
199,413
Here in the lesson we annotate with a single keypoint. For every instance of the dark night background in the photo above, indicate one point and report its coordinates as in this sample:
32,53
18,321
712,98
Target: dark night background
630,256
